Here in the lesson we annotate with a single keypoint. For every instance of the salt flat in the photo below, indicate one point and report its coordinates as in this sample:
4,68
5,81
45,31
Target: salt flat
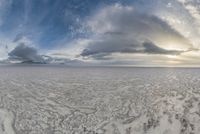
98,100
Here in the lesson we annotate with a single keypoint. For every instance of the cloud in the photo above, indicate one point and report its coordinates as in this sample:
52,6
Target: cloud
18,37
146,47
121,29
25,53
151,48
142,32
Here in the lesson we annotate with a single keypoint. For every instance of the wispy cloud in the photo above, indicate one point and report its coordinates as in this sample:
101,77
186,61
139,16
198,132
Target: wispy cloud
4,8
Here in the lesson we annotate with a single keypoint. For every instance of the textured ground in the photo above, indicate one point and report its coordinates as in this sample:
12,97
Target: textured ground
58,100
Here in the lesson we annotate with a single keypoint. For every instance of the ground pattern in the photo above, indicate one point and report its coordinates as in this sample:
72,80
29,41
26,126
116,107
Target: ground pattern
58,100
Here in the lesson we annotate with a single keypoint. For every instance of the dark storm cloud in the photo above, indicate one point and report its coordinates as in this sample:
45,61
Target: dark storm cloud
25,53
29,55
146,47
121,29
151,48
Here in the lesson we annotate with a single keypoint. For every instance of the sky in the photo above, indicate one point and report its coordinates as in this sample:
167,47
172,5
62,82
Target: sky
101,32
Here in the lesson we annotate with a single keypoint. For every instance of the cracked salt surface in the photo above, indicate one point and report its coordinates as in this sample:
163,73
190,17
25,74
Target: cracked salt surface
63,100
6,121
